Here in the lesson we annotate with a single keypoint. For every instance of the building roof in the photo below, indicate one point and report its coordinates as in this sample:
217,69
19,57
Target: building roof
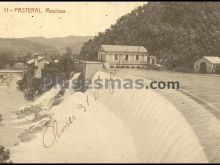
39,58
123,48
212,59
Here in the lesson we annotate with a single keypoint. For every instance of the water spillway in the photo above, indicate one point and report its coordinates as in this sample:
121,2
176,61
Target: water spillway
159,130
123,125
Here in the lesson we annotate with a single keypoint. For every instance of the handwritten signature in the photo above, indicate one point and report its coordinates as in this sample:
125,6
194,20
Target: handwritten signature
56,133
53,133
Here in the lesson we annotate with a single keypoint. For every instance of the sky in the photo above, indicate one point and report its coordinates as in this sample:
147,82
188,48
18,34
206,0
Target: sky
79,19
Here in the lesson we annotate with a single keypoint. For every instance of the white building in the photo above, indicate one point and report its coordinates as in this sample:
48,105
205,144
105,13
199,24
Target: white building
38,62
207,64
120,55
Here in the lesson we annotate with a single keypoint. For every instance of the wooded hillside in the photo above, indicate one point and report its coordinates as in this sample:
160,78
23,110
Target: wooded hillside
178,33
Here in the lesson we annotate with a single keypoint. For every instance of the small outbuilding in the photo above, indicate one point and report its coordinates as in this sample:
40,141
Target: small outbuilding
207,64
38,62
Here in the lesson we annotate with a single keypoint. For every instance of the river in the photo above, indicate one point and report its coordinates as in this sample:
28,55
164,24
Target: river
11,99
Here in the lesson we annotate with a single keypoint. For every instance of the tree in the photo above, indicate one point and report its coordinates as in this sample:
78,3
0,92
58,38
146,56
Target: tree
177,33
69,52
61,69
66,63
7,57
4,155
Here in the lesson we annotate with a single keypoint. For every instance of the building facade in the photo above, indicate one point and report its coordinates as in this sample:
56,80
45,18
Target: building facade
123,55
87,70
33,70
207,64
38,63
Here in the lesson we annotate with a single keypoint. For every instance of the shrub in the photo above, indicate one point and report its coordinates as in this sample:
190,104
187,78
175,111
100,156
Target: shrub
4,155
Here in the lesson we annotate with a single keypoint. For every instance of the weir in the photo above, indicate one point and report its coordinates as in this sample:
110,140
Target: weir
124,125
160,131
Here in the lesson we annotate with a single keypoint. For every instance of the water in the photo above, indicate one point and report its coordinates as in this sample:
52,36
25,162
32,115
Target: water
160,131
47,100
96,134
11,99
204,86
199,112
124,126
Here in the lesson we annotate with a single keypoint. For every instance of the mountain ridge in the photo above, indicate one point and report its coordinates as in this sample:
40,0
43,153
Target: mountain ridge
42,44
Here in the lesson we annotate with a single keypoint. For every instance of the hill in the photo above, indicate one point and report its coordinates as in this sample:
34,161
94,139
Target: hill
47,46
178,33
21,45
60,43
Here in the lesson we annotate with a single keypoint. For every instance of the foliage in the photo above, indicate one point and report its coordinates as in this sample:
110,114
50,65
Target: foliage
6,58
22,48
4,155
63,68
178,33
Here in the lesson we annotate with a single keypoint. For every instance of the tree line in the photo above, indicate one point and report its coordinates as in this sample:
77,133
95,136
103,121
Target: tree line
177,33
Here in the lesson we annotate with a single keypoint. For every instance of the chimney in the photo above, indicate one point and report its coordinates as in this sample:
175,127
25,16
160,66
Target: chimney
36,60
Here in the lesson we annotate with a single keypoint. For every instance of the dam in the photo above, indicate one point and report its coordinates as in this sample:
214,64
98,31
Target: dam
119,126
161,132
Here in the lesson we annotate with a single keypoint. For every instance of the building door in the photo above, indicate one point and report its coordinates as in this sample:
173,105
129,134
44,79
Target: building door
203,67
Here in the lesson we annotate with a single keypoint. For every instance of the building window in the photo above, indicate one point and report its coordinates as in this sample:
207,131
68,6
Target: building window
126,57
116,57
137,57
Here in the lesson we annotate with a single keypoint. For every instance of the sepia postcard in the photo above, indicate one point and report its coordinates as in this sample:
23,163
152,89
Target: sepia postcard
109,82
